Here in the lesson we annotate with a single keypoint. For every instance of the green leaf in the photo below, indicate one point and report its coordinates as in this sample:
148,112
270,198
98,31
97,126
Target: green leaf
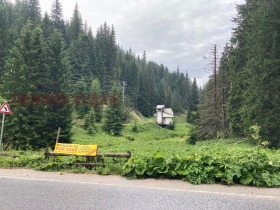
247,178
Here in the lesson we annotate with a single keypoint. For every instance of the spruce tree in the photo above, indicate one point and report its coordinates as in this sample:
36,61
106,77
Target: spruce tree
3,34
114,117
143,102
89,124
57,15
81,93
47,26
76,24
96,100
34,11
106,45
58,84
146,101
130,75
252,65
24,71
247,82
192,114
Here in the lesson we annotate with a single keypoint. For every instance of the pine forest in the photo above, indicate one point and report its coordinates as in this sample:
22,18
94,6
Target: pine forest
46,60
53,70
242,97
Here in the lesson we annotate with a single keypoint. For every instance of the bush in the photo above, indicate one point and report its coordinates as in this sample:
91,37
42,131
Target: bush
135,128
247,168
91,130
193,136
171,126
130,138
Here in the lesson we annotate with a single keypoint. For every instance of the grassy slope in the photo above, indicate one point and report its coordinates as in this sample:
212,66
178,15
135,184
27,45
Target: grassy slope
152,138
149,139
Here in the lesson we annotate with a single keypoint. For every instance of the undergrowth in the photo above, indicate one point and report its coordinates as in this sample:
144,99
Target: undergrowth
248,167
161,153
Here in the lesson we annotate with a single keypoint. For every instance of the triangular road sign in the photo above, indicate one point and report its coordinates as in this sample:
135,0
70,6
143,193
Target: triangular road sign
5,109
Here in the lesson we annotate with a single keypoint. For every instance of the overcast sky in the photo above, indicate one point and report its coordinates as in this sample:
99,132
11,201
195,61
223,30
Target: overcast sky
172,32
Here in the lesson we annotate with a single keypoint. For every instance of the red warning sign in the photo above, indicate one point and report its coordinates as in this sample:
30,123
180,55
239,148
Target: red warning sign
5,109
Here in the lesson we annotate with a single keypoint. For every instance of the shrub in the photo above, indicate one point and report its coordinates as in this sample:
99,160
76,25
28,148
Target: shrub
171,126
130,138
135,128
246,167
192,137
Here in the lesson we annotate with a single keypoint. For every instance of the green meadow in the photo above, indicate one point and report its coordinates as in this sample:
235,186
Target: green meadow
162,153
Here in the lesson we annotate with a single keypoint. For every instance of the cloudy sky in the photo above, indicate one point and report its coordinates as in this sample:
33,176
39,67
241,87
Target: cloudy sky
172,32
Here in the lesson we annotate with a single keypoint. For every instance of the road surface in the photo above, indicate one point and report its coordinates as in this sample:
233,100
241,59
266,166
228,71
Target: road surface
27,190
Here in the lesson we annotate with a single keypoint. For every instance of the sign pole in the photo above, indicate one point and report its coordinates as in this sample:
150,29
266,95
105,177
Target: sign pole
2,128
4,109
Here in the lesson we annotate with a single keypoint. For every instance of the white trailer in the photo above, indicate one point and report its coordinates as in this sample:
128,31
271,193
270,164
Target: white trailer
164,116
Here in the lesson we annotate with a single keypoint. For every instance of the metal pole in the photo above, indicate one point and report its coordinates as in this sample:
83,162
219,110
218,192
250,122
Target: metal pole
123,90
2,128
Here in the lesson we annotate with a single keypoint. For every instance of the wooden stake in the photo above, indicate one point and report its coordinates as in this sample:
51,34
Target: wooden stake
57,137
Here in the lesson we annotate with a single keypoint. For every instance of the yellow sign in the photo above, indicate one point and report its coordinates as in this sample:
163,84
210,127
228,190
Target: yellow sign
70,149
87,150
76,149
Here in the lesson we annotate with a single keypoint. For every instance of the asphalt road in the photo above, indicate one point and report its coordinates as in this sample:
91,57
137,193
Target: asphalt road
26,189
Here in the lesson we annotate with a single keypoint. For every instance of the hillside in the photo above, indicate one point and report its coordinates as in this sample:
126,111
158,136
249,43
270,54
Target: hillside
50,67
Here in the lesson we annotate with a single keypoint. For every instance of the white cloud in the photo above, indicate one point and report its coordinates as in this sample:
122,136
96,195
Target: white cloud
174,33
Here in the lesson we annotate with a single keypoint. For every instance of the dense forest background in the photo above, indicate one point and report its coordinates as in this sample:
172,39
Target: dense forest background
47,57
242,96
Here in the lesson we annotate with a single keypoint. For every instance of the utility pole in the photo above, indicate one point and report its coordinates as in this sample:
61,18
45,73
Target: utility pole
123,90
215,76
